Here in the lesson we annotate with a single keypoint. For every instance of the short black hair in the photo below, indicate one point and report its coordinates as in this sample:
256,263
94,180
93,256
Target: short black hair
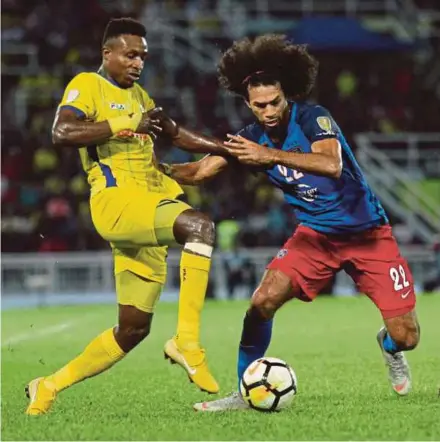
266,60
126,25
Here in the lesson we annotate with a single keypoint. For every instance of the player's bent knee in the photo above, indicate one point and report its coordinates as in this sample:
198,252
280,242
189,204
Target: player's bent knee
194,226
263,305
273,292
203,229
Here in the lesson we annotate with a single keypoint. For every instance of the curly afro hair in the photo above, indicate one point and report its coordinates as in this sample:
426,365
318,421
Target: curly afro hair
266,60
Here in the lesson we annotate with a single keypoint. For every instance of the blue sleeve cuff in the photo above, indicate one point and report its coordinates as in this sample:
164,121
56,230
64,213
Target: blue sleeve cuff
78,112
322,136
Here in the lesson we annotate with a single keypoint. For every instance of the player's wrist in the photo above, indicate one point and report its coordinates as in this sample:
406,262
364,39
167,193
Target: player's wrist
176,134
171,128
124,122
273,157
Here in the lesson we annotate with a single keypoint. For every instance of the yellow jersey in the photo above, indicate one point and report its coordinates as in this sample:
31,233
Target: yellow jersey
118,161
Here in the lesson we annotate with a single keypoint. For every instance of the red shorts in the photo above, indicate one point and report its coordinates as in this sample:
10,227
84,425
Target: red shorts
371,258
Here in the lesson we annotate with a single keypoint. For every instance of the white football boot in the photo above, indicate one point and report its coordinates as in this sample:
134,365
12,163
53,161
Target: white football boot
398,368
232,402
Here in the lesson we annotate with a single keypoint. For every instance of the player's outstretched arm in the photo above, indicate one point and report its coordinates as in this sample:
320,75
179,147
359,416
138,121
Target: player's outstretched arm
196,142
325,158
69,129
196,172
187,139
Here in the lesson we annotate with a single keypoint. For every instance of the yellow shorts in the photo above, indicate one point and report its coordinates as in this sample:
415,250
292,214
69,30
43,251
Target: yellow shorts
132,289
139,226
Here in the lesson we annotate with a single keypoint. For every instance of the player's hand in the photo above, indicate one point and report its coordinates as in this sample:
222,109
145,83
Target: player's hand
248,152
150,124
168,126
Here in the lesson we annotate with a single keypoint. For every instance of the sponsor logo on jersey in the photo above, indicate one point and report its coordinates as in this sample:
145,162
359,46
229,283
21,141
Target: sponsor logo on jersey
126,133
306,193
117,106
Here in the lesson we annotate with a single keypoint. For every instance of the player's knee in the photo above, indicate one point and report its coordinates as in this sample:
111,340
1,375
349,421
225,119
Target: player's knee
194,226
203,230
263,305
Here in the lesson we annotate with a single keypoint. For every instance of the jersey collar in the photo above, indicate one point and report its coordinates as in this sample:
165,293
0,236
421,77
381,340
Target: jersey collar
102,73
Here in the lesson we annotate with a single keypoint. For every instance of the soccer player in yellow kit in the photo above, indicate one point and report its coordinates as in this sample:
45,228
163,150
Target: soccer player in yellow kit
110,119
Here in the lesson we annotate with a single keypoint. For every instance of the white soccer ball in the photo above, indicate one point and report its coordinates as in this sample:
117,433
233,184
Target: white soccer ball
268,384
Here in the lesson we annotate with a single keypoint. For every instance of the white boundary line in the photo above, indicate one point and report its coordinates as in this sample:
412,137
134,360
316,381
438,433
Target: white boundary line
36,334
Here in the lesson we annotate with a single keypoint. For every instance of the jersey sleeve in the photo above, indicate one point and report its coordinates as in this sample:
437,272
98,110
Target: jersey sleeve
317,124
78,96
148,101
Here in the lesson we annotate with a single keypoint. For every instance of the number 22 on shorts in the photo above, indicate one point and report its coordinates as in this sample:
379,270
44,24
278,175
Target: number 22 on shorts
398,276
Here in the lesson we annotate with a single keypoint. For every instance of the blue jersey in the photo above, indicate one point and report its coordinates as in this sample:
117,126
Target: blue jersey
328,205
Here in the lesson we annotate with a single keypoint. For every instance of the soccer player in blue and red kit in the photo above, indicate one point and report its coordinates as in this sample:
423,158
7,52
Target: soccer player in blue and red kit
342,225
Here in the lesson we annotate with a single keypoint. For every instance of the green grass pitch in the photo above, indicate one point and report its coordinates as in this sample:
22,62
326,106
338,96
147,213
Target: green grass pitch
331,343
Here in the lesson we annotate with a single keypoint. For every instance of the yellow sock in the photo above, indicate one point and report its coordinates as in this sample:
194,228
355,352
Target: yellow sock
97,357
194,271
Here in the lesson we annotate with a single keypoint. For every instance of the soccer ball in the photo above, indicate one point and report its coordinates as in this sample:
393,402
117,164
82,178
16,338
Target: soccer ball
268,384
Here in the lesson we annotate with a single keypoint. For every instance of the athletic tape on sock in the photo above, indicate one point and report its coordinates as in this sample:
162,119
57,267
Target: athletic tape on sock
199,248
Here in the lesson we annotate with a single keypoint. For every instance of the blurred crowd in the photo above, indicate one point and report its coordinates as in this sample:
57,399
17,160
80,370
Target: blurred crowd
44,192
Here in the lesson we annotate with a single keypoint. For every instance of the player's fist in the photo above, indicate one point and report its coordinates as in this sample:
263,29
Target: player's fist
168,125
150,124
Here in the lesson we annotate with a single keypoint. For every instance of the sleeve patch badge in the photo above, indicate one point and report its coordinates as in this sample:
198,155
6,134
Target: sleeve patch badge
72,95
324,123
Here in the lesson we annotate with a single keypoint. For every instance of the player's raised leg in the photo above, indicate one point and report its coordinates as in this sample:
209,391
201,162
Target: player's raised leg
195,231
106,349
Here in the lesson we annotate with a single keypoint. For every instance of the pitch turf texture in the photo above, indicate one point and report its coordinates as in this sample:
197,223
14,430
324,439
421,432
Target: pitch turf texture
331,343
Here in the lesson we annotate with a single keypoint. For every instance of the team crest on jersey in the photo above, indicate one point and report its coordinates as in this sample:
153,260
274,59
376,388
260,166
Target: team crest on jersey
282,253
117,106
324,123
